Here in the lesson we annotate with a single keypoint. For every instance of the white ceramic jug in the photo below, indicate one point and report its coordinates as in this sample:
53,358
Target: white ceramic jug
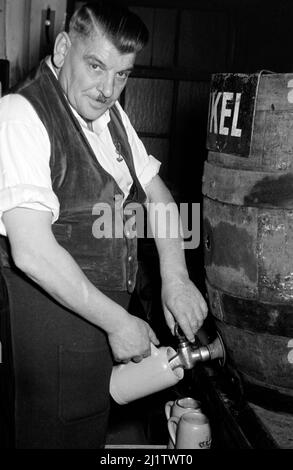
138,379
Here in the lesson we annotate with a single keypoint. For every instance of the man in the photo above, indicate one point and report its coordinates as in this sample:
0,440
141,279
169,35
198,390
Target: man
66,146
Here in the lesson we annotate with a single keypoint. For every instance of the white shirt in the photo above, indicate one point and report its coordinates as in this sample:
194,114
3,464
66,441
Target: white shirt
25,177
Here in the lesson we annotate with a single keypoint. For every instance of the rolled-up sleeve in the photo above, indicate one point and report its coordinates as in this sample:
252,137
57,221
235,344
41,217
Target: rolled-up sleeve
146,165
25,177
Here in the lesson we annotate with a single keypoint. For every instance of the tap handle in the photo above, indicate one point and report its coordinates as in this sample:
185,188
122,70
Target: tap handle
179,334
182,338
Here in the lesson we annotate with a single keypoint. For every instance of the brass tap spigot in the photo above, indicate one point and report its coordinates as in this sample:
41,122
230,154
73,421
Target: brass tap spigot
188,354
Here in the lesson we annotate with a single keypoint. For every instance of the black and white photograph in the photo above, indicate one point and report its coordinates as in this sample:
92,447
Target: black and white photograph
146,229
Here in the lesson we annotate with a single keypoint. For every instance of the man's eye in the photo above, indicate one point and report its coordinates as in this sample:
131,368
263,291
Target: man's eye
123,75
95,66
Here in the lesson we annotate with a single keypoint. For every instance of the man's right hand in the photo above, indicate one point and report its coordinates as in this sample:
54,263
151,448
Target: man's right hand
132,339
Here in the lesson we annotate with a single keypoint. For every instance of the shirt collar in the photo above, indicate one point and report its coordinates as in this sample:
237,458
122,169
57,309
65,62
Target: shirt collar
99,124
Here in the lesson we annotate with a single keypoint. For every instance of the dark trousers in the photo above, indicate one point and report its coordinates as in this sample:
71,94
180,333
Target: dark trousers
55,371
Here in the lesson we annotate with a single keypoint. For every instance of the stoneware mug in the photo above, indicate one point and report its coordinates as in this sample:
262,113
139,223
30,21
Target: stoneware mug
190,431
139,379
178,408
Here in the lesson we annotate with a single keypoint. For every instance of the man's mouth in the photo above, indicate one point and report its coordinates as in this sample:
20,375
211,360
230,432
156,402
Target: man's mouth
101,99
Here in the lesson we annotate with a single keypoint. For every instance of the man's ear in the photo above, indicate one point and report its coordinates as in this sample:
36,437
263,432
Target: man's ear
61,48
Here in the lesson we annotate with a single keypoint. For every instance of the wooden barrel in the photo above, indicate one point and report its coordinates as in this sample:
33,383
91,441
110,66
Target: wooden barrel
248,229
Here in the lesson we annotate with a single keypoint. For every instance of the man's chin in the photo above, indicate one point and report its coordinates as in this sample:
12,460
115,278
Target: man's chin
93,115
94,112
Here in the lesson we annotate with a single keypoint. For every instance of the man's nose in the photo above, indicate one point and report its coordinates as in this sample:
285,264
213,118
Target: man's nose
108,86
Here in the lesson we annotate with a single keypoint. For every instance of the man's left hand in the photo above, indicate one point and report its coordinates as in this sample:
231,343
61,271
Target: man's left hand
183,303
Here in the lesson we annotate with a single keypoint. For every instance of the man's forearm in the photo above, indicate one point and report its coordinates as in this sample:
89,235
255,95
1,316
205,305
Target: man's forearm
170,248
59,275
165,223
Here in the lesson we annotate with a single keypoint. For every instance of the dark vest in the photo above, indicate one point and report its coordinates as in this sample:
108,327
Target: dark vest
81,183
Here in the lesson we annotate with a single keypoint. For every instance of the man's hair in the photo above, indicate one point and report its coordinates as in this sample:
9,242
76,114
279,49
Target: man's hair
122,27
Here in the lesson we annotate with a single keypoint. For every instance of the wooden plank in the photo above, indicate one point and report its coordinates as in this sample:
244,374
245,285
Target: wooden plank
254,315
249,188
276,140
233,161
230,238
258,262
275,92
260,358
273,123
274,252
148,104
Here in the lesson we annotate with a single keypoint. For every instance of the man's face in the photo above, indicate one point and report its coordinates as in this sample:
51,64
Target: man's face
94,74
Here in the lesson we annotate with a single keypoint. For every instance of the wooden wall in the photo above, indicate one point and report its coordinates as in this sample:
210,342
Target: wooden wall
22,32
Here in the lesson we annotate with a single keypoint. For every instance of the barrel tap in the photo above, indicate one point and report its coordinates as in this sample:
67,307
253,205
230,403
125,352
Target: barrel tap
189,354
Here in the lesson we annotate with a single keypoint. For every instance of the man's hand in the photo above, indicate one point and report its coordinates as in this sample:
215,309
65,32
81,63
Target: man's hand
131,339
183,303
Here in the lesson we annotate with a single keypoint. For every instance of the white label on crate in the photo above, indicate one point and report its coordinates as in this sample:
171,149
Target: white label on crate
235,131
226,113
290,93
214,116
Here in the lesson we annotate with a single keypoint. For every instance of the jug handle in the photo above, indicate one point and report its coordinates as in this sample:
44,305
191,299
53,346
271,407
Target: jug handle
172,427
168,408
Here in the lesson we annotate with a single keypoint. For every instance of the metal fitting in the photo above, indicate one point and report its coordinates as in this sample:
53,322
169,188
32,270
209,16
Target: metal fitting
188,354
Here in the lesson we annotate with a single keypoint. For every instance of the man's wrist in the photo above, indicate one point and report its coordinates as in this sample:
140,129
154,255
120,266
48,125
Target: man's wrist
115,322
174,275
